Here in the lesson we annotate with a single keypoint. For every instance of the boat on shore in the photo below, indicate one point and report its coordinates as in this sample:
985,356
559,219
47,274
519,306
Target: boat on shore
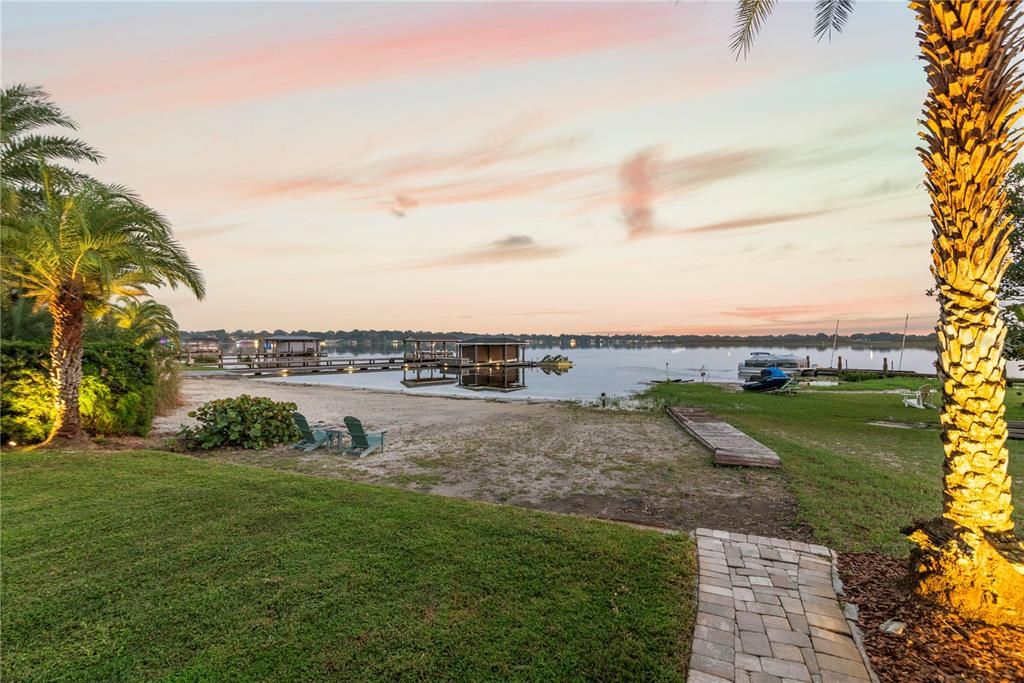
759,360
770,379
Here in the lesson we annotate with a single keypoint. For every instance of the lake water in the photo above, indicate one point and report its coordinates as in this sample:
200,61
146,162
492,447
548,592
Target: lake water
623,371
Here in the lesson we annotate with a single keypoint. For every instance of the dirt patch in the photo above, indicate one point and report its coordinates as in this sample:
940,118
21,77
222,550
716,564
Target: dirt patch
935,645
635,467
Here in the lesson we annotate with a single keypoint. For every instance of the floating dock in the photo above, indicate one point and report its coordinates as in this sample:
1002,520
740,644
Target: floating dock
729,445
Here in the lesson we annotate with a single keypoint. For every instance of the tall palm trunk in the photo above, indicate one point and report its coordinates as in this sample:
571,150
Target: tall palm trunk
969,558
68,311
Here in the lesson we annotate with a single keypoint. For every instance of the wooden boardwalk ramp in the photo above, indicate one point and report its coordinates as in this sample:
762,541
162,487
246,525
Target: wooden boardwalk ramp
730,445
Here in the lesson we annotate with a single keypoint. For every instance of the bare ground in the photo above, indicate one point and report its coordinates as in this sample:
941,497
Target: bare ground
629,466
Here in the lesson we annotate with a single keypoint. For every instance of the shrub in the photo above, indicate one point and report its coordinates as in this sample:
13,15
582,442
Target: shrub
117,394
168,384
127,403
245,421
859,375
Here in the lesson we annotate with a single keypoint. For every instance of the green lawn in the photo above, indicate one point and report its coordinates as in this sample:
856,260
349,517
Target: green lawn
855,483
887,384
142,565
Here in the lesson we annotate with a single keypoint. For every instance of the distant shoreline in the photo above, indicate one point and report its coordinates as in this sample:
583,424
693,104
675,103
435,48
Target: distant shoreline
391,337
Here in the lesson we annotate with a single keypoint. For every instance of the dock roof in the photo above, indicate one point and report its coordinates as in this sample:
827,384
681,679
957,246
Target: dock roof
431,338
289,337
483,340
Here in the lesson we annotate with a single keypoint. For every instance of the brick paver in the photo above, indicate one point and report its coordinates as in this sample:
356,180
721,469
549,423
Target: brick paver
768,609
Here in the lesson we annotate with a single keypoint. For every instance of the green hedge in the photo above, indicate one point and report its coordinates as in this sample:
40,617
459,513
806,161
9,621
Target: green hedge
117,397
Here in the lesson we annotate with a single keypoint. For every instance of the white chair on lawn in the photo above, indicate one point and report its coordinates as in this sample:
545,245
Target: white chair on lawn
919,400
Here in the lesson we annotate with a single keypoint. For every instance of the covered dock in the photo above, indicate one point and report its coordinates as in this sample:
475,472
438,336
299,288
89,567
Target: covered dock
431,348
492,351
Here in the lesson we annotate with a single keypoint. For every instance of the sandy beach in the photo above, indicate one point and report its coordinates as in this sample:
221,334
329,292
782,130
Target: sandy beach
638,467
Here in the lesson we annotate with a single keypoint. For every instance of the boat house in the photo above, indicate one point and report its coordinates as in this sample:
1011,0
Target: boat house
203,347
288,346
492,350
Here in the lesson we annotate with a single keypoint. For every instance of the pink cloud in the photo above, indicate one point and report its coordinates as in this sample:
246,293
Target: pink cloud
492,189
461,40
487,170
637,175
647,176
493,150
861,313
505,250
756,221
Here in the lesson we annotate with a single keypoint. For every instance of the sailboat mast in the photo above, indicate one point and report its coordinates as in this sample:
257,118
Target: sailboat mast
835,340
903,345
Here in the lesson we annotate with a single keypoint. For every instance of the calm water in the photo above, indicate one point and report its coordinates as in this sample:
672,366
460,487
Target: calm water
620,372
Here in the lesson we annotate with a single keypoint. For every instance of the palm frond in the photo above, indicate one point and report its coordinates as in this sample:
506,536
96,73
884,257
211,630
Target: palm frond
25,107
24,110
101,238
750,16
831,16
32,148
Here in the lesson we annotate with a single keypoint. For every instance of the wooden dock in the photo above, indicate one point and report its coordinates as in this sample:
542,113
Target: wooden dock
286,365
729,445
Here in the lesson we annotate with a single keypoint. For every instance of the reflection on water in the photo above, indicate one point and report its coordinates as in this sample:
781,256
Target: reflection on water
615,372
426,377
483,378
486,378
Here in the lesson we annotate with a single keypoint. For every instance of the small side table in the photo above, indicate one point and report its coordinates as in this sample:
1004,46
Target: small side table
335,437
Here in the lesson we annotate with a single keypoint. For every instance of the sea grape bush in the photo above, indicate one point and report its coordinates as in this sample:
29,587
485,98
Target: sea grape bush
245,422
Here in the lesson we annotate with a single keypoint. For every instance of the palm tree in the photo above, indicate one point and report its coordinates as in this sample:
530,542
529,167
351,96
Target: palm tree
144,322
72,256
24,109
968,559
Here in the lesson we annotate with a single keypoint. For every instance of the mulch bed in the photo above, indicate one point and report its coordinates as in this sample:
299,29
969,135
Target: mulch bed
935,645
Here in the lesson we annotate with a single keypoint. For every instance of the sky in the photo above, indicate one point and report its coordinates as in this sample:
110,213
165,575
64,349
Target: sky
507,167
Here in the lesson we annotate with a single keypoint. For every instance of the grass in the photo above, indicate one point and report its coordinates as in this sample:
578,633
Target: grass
143,566
855,483
887,384
198,367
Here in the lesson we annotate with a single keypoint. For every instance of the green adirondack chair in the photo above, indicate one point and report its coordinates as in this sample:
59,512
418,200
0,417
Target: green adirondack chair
311,439
363,442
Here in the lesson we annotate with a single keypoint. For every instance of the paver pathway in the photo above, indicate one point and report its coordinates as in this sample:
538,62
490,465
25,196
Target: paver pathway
767,611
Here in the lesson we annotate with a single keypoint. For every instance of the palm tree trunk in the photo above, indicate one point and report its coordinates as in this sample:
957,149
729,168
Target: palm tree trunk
68,311
969,559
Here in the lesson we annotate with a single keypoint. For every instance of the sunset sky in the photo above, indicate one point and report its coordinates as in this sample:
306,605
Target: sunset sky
587,168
